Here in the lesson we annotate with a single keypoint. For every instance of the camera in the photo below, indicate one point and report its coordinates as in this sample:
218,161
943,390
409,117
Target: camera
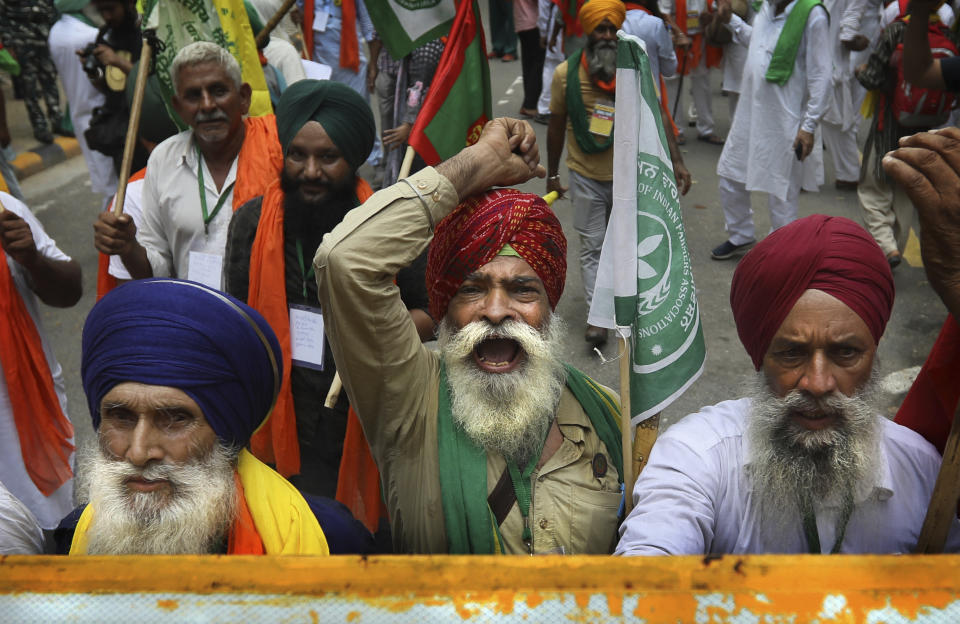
91,64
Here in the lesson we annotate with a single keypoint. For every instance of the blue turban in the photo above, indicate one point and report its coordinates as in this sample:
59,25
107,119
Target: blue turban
166,332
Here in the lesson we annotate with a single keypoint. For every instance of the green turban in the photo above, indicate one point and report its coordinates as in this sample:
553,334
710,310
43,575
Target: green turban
344,114
256,22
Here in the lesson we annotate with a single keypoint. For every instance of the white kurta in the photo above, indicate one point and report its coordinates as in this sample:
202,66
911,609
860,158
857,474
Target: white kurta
49,510
19,532
759,149
66,37
133,206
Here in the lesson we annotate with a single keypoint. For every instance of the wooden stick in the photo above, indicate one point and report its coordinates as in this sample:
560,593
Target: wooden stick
133,127
646,435
264,34
946,493
628,475
406,164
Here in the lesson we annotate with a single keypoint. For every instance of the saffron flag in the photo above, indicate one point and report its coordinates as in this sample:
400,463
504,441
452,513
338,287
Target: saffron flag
224,22
458,103
403,25
644,282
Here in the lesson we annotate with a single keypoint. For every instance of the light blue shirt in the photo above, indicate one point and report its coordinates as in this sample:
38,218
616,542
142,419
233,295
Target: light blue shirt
694,496
663,59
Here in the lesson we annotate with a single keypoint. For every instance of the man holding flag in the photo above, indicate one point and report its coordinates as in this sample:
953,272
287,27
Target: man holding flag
223,160
582,107
492,445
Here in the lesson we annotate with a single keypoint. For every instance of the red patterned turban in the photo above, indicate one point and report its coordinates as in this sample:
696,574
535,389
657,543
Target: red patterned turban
831,254
476,231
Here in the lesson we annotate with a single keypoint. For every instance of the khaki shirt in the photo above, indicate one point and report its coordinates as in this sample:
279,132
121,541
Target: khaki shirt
392,381
597,166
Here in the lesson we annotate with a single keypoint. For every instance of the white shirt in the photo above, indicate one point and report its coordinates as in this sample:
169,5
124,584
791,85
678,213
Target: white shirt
19,532
172,224
49,510
694,496
759,148
663,59
133,206
285,58
668,7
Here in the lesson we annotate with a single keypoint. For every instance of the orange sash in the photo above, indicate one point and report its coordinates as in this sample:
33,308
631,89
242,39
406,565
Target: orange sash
105,281
276,440
349,46
695,51
243,537
43,430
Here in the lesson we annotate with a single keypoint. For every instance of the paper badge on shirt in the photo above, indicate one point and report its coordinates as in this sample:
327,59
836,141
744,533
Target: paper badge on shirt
306,336
601,121
205,268
320,18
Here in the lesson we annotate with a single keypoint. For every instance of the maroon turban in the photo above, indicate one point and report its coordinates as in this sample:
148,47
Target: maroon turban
831,254
476,231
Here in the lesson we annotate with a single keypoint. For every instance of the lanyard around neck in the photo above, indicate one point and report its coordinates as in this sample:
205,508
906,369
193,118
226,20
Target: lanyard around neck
522,489
203,195
810,525
304,273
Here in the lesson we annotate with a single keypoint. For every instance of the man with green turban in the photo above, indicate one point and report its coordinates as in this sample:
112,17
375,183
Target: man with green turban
326,131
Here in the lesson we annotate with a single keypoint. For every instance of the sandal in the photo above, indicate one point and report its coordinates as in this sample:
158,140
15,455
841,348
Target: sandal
712,139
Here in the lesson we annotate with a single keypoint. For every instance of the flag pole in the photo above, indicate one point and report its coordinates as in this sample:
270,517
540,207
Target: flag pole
133,127
946,493
627,440
264,34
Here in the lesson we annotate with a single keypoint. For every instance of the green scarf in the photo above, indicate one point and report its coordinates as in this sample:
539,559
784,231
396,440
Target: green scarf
471,526
788,43
578,113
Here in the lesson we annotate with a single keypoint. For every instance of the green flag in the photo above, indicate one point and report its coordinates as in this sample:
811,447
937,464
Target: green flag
403,25
645,282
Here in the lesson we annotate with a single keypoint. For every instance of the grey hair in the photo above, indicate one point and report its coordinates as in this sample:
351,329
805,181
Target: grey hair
205,52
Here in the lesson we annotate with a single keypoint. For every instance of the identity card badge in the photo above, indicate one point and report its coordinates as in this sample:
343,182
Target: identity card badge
306,336
601,122
205,268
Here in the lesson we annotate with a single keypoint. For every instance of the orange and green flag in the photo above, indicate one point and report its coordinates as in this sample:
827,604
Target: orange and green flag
458,104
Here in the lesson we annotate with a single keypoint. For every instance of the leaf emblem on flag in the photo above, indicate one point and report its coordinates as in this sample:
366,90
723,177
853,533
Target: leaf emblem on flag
646,247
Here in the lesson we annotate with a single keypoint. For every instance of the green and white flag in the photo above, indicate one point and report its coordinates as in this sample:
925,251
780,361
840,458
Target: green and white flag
645,282
403,25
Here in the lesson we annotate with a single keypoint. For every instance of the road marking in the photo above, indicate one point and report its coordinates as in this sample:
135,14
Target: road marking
502,102
516,81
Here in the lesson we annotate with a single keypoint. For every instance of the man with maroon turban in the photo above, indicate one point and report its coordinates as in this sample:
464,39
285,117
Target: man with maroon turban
492,445
806,463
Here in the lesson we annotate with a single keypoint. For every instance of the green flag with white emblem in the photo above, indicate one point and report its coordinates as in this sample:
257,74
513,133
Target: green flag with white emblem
644,283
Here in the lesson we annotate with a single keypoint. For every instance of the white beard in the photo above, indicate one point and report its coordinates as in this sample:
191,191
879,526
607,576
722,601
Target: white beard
193,518
792,463
506,413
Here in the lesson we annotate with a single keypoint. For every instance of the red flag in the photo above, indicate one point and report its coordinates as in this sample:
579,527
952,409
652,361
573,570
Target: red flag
929,406
458,104
569,9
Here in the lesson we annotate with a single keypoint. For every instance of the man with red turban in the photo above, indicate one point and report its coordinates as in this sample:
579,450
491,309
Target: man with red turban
492,444
806,463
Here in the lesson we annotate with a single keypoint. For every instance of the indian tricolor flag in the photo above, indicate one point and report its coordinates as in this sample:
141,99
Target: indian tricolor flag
403,25
644,283
458,104
224,22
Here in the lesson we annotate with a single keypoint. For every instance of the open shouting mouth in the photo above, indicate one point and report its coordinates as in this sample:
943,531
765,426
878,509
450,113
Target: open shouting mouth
498,355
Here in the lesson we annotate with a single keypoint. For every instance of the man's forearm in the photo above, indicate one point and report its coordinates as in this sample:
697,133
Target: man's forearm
555,137
137,262
56,282
918,65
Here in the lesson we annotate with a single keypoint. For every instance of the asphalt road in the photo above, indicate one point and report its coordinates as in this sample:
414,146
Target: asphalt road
62,200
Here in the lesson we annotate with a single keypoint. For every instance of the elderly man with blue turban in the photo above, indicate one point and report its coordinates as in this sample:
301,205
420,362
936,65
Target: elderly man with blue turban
178,376
326,131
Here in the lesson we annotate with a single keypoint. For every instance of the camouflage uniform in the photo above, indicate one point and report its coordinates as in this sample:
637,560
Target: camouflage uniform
24,28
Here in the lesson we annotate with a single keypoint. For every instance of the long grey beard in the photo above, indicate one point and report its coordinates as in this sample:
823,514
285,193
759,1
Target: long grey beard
192,519
506,413
792,464
602,59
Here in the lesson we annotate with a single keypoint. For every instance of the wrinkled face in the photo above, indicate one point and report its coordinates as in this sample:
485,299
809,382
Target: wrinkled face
314,167
210,103
506,288
146,425
822,347
605,31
